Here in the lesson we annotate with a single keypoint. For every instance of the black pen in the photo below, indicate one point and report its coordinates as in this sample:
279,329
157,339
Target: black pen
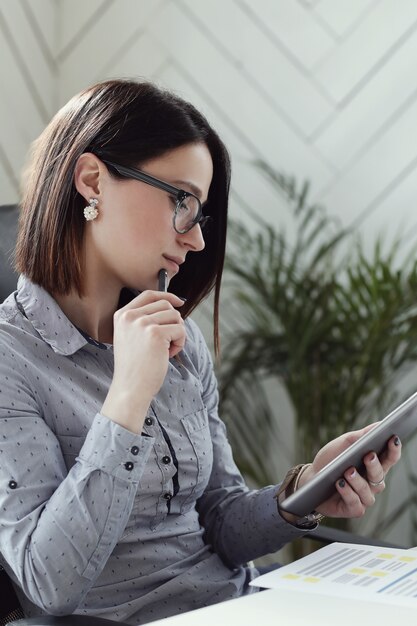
162,280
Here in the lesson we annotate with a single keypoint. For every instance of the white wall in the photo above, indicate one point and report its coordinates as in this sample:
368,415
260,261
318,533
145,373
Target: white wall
28,83
324,90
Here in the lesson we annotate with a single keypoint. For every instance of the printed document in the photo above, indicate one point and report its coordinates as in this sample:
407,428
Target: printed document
385,575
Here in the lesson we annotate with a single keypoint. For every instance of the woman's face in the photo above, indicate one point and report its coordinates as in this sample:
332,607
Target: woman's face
133,237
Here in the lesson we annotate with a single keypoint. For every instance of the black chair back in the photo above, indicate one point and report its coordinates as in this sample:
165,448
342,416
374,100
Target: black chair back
10,608
8,230
9,604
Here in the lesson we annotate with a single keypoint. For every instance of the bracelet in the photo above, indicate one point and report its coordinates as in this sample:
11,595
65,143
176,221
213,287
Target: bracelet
288,486
300,473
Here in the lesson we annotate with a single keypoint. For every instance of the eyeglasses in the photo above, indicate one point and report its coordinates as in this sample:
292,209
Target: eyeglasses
188,210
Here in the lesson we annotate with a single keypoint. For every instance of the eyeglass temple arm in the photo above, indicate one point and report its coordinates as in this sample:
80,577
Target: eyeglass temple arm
146,178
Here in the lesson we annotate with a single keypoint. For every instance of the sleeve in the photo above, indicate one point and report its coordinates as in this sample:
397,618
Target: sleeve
58,529
240,524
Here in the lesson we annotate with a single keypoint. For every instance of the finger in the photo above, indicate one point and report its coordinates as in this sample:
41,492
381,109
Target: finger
160,318
130,315
145,312
354,435
154,307
360,486
391,455
375,474
174,336
367,428
351,505
148,296
175,348
347,439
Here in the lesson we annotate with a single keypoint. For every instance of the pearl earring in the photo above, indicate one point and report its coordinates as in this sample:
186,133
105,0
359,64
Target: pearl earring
91,211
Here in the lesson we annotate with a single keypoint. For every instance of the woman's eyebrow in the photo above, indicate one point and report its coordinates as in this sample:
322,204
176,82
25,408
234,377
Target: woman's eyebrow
194,189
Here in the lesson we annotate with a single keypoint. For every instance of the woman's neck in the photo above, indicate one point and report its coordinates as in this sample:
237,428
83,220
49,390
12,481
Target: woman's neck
93,311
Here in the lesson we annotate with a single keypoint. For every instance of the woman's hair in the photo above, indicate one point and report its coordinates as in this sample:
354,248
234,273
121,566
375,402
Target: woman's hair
129,123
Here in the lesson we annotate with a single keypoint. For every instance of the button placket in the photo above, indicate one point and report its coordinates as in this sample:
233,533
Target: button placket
166,496
167,468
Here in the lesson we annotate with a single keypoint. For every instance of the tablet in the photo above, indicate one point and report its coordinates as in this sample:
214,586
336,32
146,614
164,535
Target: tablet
402,422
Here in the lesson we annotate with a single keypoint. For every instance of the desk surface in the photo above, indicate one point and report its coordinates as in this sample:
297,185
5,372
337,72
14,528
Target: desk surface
283,607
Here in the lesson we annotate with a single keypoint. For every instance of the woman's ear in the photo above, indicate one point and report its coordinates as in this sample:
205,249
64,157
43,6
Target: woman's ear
87,175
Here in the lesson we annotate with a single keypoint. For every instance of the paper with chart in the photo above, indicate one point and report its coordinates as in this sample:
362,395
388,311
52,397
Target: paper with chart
348,570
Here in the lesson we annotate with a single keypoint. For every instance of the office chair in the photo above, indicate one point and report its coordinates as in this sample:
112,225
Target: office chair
10,608
11,612
8,230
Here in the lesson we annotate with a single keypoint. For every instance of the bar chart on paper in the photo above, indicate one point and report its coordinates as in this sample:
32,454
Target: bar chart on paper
352,571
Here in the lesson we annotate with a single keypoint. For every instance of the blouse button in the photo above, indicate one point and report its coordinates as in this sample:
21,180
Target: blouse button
148,421
166,460
12,484
129,466
167,496
134,450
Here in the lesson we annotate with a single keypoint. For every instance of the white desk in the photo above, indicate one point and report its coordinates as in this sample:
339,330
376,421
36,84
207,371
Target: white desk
277,607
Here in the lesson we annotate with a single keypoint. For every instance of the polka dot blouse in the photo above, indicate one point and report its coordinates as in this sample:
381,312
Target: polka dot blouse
97,520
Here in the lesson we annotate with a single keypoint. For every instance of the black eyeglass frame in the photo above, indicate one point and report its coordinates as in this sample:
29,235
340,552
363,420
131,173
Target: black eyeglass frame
179,194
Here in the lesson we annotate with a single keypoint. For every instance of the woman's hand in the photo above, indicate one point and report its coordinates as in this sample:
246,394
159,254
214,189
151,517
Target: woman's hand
147,333
355,493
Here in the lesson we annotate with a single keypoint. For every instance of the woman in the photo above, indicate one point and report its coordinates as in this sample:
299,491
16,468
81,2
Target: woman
118,492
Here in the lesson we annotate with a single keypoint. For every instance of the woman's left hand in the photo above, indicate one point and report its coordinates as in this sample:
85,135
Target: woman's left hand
355,493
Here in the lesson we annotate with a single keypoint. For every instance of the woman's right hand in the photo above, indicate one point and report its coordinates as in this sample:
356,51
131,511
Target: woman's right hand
147,333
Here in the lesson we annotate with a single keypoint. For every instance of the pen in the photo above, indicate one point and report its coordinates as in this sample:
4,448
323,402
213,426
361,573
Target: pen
162,280
163,286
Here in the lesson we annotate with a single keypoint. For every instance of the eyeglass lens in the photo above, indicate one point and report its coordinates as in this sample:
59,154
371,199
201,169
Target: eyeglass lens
186,213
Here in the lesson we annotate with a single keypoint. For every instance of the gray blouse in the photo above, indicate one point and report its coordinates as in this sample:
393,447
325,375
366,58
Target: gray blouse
97,520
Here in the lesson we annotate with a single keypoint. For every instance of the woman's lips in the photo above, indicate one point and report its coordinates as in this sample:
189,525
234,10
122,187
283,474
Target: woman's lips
174,263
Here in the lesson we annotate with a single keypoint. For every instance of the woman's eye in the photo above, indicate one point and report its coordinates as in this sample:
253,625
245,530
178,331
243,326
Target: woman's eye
184,208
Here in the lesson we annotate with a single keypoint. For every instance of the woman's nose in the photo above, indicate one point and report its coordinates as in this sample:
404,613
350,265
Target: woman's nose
194,238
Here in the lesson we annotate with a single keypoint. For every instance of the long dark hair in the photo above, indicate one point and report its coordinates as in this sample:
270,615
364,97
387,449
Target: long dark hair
129,123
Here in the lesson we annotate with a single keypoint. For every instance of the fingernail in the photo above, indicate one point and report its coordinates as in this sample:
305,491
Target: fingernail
183,299
373,458
352,473
342,483
397,441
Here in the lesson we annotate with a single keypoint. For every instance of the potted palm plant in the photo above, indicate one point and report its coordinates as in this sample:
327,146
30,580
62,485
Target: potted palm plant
330,325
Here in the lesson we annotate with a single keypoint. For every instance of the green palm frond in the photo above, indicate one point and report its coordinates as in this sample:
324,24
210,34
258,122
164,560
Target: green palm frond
335,326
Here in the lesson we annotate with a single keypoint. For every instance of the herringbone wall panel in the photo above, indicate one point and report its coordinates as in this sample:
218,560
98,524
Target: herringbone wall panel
323,90
28,79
